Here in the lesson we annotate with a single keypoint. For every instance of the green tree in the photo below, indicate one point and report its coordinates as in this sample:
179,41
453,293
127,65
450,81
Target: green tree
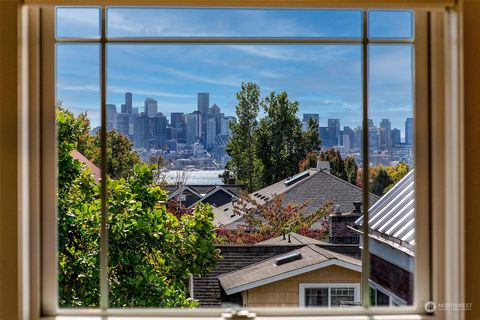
281,142
152,253
120,154
121,158
311,137
337,166
381,181
351,169
241,146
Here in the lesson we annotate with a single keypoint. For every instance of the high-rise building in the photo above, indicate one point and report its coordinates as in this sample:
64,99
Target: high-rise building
351,137
141,134
128,102
159,131
211,132
203,102
151,107
370,123
225,125
334,131
111,116
192,121
214,109
385,133
395,137
325,136
409,131
176,119
123,124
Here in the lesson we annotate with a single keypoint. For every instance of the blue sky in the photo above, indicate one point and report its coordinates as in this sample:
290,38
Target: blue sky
325,79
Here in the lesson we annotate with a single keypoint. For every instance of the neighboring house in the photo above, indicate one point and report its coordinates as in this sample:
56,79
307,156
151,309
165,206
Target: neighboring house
392,243
316,186
216,196
292,275
186,195
94,170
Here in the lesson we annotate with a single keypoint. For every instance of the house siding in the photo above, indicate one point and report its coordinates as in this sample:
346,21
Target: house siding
393,278
285,293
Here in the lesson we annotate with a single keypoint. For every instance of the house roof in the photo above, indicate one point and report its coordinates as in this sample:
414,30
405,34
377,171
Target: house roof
96,172
207,289
392,218
213,191
291,238
316,187
182,190
308,258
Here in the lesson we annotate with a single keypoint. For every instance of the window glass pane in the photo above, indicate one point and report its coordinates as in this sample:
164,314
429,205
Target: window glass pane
341,296
391,172
77,22
169,22
174,106
316,297
78,199
382,299
390,24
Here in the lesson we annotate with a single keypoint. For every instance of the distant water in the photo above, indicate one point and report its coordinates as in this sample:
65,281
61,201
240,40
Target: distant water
205,177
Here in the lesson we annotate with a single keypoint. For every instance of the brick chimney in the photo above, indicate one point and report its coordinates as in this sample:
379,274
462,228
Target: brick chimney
340,233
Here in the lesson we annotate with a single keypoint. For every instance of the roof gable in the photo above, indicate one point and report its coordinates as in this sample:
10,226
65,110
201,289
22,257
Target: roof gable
267,271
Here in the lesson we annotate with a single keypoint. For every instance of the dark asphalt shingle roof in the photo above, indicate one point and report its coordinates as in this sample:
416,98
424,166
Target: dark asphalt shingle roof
316,188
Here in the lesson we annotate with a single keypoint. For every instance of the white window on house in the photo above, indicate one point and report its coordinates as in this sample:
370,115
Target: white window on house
329,295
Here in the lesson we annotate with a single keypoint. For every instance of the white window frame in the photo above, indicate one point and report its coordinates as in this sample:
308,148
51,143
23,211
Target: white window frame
329,286
392,297
446,178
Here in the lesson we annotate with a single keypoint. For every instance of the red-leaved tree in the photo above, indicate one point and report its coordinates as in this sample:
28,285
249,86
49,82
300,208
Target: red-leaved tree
262,221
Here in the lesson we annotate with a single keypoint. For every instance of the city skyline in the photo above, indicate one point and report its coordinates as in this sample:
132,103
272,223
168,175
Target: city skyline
325,79
301,115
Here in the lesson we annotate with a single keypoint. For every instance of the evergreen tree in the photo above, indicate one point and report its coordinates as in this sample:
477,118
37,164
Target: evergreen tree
337,166
381,181
351,169
241,146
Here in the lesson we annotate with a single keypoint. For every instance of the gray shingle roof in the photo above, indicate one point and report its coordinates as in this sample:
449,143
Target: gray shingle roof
267,271
317,188
393,216
294,238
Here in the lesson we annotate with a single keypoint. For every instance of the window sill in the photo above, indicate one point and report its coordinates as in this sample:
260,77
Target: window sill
309,317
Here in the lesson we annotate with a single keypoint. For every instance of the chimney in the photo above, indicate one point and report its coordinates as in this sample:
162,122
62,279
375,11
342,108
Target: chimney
337,209
358,207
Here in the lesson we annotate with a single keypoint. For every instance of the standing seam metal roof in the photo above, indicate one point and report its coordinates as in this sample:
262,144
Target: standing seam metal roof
394,214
